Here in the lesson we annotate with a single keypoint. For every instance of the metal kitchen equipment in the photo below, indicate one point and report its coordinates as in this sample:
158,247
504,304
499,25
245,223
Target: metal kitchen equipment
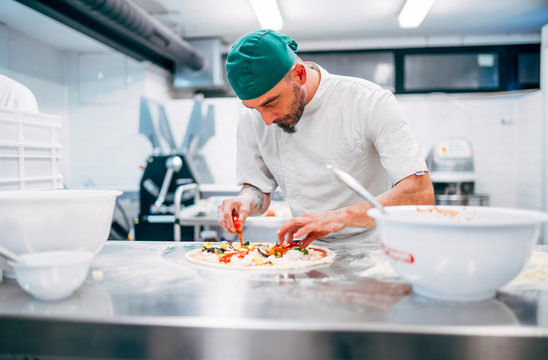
170,166
451,166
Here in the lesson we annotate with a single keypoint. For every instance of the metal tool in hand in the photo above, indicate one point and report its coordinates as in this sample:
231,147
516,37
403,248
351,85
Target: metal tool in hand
356,187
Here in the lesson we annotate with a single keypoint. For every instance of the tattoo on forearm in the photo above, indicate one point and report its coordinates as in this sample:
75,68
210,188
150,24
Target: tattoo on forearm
258,195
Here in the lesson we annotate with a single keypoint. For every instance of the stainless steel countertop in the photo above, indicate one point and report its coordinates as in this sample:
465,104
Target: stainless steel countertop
152,303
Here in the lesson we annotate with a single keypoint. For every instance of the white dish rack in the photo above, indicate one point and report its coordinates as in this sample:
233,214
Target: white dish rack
30,151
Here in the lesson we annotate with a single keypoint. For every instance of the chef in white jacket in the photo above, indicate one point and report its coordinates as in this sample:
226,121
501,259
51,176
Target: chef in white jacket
15,95
297,118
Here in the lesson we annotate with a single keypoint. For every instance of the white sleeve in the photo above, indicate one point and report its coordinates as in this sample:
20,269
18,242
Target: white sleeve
250,167
15,95
26,100
394,140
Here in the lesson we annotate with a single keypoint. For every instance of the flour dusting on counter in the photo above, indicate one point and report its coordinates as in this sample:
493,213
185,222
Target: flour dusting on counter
534,274
382,268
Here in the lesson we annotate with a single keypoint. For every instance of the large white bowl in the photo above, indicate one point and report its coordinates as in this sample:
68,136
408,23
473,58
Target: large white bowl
456,252
47,220
52,275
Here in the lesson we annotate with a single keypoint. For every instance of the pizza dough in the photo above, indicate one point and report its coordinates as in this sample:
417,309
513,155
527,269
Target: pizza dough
259,256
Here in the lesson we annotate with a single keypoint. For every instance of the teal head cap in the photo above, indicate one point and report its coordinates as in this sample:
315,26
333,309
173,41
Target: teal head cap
258,61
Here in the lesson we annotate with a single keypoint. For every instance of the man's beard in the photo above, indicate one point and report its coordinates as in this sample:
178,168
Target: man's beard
295,112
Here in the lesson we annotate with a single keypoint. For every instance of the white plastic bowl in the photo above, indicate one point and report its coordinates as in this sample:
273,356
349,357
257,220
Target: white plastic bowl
52,275
47,220
455,252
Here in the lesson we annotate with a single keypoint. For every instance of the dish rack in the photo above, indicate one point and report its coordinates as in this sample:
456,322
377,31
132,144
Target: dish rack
30,151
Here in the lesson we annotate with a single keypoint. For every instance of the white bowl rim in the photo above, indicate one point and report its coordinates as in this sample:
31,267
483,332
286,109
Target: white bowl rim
527,217
57,257
57,194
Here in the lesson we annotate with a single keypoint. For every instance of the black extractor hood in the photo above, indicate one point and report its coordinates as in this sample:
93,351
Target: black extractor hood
124,26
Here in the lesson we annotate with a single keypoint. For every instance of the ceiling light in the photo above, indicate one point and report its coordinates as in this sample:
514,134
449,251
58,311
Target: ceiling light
268,14
413,13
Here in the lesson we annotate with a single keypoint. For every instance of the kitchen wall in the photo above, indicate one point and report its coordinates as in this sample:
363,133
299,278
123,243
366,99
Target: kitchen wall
98,95
505,132
105,88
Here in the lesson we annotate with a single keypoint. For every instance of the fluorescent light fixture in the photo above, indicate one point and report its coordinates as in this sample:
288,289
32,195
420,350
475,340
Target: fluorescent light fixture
413,13
268,14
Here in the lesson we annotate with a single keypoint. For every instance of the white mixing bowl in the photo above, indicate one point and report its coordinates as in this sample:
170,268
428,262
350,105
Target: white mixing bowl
456,252
47,220
52,275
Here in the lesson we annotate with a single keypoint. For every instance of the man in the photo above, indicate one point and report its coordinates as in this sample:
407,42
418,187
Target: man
320,118
14,95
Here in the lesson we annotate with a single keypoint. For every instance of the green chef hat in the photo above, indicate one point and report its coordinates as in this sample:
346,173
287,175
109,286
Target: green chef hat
258,61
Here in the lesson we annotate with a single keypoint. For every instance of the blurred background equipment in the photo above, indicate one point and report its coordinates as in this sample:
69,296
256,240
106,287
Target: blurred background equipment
170,166
451,165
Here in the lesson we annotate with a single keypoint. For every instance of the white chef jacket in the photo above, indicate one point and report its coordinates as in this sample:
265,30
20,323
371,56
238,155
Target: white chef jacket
15,95
350,123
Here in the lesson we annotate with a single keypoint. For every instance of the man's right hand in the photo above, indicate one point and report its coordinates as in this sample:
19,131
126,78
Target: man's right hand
238,206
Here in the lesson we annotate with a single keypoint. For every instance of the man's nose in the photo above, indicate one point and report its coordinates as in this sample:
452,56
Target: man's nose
268,118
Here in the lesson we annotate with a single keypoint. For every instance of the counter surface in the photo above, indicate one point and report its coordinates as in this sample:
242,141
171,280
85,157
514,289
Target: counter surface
144,300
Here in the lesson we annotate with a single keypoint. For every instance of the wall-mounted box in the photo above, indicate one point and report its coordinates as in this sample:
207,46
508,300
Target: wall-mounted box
211,74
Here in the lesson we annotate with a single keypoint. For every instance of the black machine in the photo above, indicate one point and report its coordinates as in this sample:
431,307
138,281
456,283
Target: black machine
165,170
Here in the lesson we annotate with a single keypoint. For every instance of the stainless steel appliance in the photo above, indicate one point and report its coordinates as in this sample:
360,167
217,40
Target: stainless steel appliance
451,166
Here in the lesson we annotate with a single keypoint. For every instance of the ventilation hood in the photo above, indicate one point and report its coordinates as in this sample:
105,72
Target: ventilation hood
124,26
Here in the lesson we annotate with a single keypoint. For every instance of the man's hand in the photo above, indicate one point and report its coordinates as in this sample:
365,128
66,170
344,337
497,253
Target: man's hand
238,207
314,226
250,201
412,190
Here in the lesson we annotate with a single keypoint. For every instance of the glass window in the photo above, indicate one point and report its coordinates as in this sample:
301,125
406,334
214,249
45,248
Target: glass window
377,67
467,71
528,69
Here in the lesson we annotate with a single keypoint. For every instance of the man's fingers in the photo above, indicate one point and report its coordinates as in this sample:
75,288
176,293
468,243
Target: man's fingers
304,230
285,236
307,240
288,225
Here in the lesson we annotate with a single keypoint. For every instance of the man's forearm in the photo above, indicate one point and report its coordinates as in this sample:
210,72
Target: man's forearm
413,190
259,201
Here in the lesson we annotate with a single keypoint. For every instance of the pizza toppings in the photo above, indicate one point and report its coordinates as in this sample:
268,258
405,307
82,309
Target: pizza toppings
257,254
239,227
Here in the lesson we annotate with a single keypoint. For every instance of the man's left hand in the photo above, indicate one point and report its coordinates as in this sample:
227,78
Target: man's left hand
314,226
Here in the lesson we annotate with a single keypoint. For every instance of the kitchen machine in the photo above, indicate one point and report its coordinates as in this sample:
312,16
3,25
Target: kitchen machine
451,166
170,166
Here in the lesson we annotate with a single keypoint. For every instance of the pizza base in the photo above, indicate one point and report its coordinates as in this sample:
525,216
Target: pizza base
196,256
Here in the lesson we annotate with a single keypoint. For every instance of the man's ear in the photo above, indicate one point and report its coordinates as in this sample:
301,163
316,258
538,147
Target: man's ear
299,74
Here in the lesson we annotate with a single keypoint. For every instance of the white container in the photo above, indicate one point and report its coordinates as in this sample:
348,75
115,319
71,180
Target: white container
52,275
456,252
30,151
47,220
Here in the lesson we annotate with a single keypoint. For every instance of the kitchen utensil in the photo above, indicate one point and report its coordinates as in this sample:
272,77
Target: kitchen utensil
456,252
10,255
52,275
356,187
